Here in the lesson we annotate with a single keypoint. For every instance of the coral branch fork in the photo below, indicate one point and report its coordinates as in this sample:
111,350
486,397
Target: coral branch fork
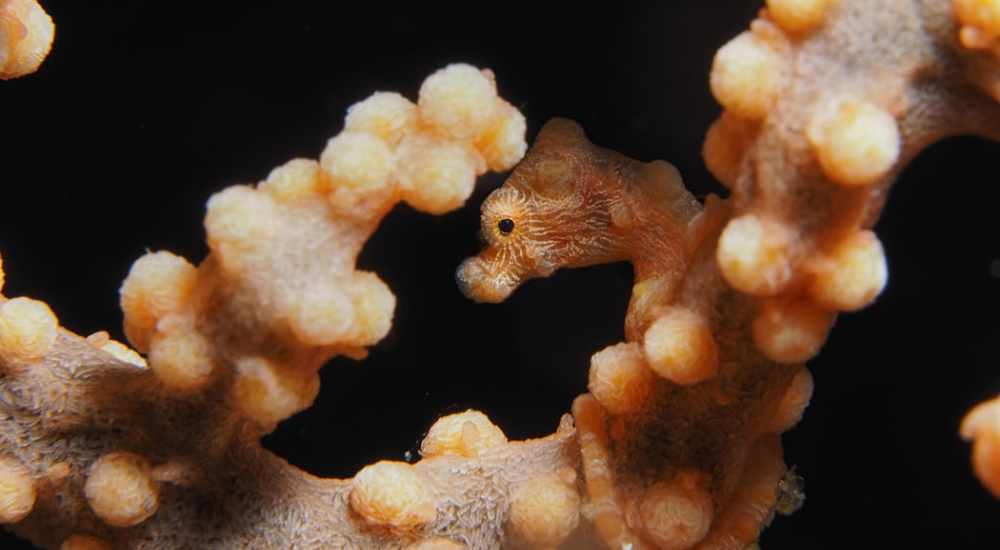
676,445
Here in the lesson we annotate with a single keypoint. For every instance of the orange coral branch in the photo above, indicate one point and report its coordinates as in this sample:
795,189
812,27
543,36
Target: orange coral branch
234,346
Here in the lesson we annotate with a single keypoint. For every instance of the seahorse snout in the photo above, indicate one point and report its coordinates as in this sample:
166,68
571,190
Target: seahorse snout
477,282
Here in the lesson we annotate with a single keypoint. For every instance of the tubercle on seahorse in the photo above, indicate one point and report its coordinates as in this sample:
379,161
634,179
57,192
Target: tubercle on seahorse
705,481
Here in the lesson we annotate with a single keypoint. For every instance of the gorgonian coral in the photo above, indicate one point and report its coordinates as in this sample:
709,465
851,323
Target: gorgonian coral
839,96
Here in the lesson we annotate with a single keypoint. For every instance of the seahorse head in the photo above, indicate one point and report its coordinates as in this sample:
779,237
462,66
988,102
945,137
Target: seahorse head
554,211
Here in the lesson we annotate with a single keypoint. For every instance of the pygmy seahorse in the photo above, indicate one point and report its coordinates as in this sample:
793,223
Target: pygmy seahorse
571,204
678,435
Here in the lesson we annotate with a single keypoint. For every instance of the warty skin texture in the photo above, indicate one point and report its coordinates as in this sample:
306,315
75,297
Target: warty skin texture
882,378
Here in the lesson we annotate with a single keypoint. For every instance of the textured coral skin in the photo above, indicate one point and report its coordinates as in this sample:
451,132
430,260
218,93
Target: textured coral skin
91,446
872,382
26,33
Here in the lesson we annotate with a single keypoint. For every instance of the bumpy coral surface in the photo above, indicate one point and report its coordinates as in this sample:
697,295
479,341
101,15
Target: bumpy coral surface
26,33
810,161
808,145
91,441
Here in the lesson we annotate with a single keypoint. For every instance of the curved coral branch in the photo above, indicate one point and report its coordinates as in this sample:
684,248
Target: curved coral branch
678,435
820,117
810,166
100,449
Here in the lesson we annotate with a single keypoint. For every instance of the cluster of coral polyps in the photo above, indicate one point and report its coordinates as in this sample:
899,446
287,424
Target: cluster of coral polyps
100,448
825,101
279,294
26,33
679,434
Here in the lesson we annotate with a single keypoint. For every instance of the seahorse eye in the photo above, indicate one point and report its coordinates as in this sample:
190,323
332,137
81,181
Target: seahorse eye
505,226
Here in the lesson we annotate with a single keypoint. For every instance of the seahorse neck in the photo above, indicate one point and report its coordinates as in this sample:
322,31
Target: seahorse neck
655,245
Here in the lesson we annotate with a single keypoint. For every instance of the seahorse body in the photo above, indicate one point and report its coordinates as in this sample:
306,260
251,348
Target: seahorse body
570,203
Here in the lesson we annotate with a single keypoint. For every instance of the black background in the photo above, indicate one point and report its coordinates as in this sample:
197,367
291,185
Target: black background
143,109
